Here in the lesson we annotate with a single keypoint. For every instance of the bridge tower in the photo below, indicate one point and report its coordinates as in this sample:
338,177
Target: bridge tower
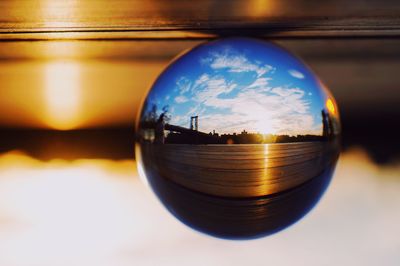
194,123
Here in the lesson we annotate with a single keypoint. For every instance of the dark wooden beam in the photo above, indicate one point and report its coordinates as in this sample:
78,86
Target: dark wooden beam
177,19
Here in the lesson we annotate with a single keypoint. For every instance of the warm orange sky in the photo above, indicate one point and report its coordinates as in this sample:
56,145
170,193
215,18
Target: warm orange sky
67,94
67,84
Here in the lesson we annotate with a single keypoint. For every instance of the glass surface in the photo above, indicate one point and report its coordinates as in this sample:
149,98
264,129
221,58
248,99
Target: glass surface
238,138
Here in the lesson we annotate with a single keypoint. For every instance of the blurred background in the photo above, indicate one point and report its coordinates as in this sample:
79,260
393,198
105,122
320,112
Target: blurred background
73,75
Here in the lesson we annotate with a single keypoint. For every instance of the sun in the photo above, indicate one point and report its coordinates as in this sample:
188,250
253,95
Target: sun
330,106
62,95
264,126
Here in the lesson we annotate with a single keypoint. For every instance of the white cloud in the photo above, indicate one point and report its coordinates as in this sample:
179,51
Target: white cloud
236,63
256,108
227,107
259,83
180,120
183,85
201,80
181,99
296,74
208,88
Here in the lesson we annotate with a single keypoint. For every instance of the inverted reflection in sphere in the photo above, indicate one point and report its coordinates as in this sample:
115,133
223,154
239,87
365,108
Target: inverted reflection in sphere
238,138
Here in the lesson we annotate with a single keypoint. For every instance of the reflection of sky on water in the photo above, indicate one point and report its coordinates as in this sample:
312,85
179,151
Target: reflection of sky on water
95,212
237,84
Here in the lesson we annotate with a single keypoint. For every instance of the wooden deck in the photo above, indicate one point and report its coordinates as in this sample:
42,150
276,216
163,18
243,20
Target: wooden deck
249,170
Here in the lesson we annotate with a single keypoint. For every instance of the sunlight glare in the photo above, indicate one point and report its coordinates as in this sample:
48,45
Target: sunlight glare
264,126
260,8
58,13
62,95
266,187
330,106
80,208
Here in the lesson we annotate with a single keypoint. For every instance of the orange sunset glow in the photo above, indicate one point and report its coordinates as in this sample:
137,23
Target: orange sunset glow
71,94
63,95
330,106
115,152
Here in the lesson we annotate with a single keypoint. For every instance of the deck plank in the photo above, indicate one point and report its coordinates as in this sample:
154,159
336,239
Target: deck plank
249,170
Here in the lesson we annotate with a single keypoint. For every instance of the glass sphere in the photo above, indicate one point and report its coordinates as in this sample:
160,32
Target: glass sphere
238,138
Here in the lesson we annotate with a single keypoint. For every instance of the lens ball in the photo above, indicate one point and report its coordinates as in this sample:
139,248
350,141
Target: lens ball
238,138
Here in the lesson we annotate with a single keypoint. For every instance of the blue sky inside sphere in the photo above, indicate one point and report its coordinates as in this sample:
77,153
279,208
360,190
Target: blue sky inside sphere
241,84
